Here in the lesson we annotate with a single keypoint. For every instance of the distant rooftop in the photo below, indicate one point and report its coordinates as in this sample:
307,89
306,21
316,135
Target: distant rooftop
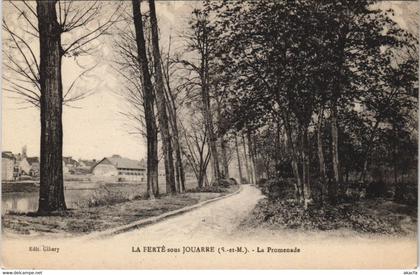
32,160
7,154
123,163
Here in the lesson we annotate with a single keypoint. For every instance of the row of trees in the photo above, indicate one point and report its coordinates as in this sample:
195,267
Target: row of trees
181,89
320,88
39,35
303,89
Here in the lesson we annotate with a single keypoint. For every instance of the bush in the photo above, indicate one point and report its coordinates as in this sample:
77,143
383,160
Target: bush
227,182
406,193
376,189
277,188
291,215
233,181
104,196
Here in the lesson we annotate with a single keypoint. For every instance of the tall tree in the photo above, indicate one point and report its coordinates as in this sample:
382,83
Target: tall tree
51,194
39,82
200,41
162,104
148,101
238,157
172,96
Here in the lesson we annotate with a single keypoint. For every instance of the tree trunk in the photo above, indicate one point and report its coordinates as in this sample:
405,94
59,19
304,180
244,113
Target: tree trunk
172,110
277,146
239,160
248,170
335,155
321,158
225,164
251,152
295,162
205,97
305,161
51,194
161,105
180,167
148,104
255,156
368,150
395,156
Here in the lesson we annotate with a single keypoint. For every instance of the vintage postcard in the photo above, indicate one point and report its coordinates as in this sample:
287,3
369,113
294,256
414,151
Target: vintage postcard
209,134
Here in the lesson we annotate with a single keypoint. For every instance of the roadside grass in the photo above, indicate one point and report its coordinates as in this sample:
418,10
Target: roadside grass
371,216
103,210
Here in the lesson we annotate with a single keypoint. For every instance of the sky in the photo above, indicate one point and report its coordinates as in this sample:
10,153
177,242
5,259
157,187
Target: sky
95,129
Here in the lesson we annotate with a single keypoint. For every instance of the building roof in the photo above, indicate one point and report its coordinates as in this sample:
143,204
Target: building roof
7,155
123,163
88,163
32,160
70,161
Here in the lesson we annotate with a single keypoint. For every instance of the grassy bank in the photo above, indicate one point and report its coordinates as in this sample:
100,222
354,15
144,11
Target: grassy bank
378,216
106,214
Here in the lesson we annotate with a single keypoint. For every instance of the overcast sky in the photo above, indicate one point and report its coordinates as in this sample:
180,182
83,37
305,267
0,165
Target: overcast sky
95,129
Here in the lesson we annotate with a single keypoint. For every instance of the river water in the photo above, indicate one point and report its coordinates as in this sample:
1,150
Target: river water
77,193
28,201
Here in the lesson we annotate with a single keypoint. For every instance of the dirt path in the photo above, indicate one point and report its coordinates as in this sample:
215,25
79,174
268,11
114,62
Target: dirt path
219,219
215,225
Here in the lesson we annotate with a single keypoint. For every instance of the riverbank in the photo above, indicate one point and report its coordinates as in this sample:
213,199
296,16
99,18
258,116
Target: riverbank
23,196
21,186
90,218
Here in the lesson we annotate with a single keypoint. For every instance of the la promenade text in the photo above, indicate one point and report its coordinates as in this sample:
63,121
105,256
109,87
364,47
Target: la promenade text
212,249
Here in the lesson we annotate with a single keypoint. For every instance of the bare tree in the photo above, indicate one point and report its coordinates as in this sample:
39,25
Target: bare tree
162,104
148,101
172,98
63,30
199,41
196,150
51,194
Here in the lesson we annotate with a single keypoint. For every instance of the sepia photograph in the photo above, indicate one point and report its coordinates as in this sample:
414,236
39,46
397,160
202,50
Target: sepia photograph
209,134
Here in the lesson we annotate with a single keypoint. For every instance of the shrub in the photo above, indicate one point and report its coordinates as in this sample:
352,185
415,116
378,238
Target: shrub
406,193
104,196
277,188
261,182
233,181
291,215
376,189
227,182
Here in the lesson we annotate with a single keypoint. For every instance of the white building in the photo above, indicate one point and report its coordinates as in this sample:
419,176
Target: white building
117,168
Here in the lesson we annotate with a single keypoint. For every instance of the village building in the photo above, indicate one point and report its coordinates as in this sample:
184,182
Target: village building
117,168
34,166
28,166
8,169
85,166
23,166
69,165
